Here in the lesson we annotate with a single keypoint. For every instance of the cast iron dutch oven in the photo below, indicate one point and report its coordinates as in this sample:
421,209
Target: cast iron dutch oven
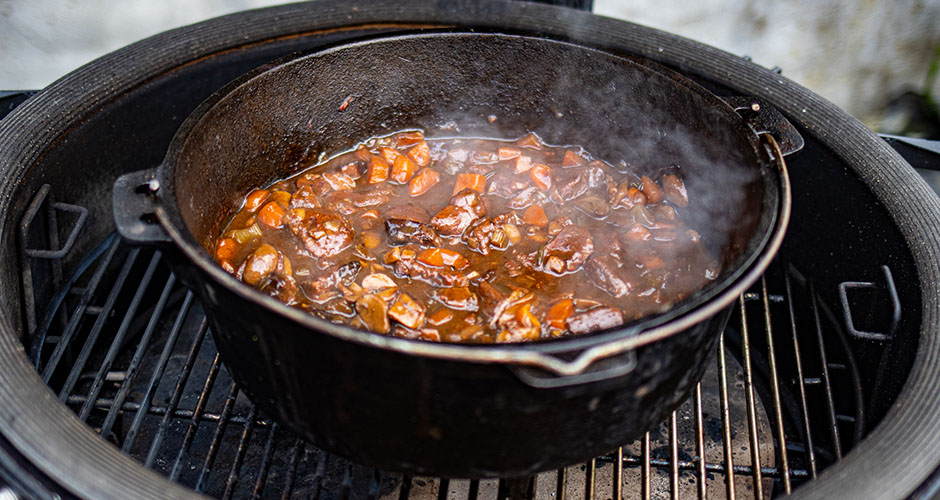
465,410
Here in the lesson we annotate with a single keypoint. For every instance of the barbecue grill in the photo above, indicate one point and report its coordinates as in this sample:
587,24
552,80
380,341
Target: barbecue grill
823,384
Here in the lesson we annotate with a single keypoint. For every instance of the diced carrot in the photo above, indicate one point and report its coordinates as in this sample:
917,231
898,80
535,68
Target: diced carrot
523,164
409,138
508,153
558,314
363,153
339,181
653,192
425,179
225,249
524,315
421,154
255,198
402,170
378,170
473,181
281,197
272,215
440,317
571,159
530,141
390,155
541,176
440,257
535,216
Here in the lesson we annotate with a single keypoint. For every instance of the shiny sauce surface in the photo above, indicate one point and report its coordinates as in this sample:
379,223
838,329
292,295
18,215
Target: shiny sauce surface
469,240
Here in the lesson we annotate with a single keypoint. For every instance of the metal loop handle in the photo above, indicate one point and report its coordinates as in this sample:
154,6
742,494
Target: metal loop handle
892,295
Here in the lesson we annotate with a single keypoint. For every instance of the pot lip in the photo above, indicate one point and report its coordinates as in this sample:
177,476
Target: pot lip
698,308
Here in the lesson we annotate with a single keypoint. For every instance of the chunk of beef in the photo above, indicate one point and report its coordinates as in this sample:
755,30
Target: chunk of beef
574,182
441,277
523,199
323,233
343,274
348,202
464,208
505,184
306,197
280,286
403,231
599,318
568,250
408,211
607,274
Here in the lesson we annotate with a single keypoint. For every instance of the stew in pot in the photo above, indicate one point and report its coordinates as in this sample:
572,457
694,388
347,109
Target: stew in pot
470,240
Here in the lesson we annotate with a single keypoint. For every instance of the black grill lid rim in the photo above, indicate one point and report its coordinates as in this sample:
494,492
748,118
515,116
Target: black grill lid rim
893,460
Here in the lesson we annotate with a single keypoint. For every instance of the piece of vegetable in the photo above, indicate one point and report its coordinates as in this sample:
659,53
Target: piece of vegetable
254,199
558,313
535,215
420,154
378,170
225,249
272,215
402,169
541,176
407,311
475,182
373,312
443,257
425,179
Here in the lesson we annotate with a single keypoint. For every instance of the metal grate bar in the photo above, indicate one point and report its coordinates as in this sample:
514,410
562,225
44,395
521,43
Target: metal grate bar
442,488
673,458
804,406
119,336
618,475
699,443
754,439
405,487
177,393
131,435
291,473
687,465
217,438
98,326
645,470
134,366
561,485
70,329
830,402
232,480
107,404
775,392
589,475
197,413
725,418
375,485
265,463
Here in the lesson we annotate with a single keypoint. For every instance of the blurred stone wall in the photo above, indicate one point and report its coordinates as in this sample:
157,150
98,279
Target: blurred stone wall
857,53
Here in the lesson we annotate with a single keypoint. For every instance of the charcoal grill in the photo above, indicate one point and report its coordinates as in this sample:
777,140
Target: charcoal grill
823,384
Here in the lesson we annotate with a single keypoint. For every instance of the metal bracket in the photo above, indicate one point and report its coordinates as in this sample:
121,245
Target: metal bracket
30,215
763,118
888,288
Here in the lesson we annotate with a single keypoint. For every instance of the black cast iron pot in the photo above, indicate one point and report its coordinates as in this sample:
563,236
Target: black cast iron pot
465,410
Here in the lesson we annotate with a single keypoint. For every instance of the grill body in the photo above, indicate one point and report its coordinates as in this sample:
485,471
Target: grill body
869,431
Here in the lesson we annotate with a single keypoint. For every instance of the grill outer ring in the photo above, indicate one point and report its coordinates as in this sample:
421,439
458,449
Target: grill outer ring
905,447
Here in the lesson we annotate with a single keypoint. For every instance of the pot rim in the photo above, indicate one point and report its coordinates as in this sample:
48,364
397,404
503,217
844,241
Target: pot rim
700,306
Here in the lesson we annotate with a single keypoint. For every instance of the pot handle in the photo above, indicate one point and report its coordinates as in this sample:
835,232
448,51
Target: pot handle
603,369
134,202
763,118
